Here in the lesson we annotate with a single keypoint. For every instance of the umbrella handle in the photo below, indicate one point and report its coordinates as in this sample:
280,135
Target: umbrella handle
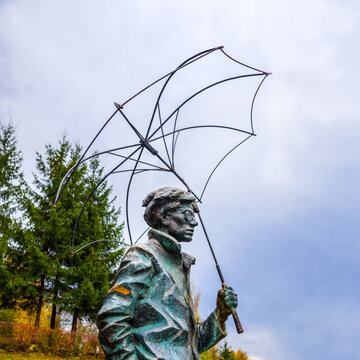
235,316
237,322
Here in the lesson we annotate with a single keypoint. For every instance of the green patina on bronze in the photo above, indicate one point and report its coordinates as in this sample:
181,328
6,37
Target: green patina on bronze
147,314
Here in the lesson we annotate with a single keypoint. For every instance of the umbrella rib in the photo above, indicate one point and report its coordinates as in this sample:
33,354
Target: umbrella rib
176,139
141,162
136,131
127,195
92,192
83,155
162,131
142,235
96,241
221,160
240,63
139,170
170,75
185,63
204,126
98,133
199,92
253,101
173,140
72,169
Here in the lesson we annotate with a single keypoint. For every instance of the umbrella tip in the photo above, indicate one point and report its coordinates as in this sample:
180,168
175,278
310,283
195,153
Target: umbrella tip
118,105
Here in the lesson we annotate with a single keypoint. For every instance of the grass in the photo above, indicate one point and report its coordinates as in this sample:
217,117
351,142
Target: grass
35,356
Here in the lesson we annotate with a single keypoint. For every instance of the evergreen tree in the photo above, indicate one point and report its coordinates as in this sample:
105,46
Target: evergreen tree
74,284
12,192
87,280
226,353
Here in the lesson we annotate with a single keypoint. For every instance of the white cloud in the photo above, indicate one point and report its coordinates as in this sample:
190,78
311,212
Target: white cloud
259,344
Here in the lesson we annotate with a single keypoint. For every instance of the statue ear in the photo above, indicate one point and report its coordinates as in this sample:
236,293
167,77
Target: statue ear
163,219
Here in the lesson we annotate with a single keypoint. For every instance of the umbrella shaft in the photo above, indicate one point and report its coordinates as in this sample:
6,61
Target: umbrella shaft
238,326
212,251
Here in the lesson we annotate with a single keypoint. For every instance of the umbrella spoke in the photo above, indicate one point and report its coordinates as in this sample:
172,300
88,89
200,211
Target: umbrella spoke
127,195
139,170
221,160
92,192
204,126
171,74
162,132
142,235
68,175
185,63
173,139
141,162
96,241
253,101
199,92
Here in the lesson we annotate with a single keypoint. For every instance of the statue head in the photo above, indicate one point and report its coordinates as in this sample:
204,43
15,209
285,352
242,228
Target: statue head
171,210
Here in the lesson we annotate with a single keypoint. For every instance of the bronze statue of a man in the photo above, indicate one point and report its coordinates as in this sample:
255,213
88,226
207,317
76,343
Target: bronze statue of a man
147,314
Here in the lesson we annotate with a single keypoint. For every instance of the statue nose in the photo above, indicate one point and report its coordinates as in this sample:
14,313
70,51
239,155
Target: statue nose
194,222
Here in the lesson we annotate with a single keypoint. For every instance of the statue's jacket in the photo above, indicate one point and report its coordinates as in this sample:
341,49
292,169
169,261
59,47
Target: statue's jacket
147,314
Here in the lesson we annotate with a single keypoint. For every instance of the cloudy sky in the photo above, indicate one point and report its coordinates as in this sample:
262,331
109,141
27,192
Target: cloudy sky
283,211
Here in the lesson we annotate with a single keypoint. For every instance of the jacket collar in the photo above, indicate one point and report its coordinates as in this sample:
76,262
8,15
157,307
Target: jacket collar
166,240
171,244
188,260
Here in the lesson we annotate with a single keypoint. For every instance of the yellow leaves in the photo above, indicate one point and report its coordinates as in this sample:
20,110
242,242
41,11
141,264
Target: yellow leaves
194,300
34,356
23,317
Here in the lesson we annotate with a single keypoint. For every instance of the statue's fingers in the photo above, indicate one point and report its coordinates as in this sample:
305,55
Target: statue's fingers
229,289
231,294
230,300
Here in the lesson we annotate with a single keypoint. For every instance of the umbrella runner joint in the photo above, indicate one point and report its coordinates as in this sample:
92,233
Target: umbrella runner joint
146,145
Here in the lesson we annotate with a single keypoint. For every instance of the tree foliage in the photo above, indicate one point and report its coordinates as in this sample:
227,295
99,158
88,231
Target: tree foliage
11,177
75,284
12,191
241,355
37,253
226,353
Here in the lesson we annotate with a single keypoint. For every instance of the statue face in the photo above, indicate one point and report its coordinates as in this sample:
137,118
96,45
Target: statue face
180,222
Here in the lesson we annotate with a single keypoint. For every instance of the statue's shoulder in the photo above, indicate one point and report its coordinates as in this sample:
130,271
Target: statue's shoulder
139,252
136,257
147,247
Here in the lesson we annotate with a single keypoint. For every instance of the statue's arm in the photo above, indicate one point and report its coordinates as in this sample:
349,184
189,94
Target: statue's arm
213,329
116,315
210,332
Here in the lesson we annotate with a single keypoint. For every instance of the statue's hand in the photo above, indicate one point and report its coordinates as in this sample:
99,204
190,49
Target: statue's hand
226,302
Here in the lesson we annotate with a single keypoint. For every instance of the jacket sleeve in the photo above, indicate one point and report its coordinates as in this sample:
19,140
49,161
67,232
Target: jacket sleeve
210,333
116,315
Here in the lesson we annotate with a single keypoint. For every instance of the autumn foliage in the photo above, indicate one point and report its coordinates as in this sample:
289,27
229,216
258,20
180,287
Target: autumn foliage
20,337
